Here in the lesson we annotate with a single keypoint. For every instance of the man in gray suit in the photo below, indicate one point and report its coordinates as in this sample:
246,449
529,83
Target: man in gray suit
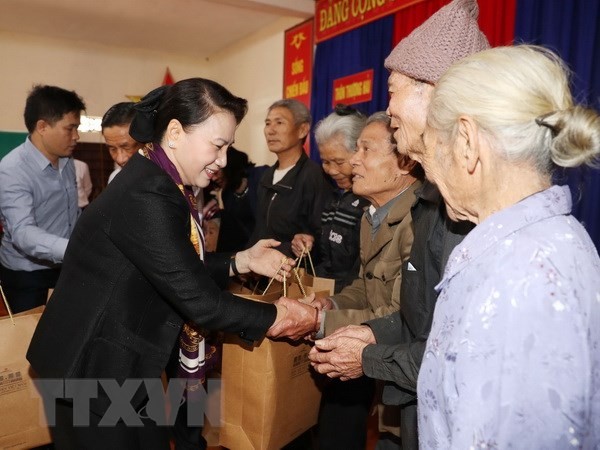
391,348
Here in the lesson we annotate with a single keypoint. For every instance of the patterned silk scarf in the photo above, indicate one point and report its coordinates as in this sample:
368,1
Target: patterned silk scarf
195,355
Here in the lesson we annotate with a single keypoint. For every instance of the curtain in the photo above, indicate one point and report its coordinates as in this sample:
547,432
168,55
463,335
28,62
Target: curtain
572,29
407,19
352,52
496,19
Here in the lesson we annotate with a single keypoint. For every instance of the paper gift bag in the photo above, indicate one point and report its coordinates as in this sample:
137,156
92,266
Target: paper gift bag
22,422
269,394
318,284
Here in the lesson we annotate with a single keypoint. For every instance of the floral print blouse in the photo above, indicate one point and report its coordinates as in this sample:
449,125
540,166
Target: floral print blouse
513,357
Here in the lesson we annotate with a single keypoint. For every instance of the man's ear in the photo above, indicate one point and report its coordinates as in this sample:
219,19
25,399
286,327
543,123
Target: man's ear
41,126
405,164
304,130
468,133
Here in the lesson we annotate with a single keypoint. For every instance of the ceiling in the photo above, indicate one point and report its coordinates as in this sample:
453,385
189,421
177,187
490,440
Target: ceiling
196,28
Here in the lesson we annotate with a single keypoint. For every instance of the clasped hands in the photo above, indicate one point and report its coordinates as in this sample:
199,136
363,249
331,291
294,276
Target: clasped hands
297,319
340,354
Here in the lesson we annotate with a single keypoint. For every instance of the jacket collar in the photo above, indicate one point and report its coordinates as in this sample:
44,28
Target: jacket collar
398,211
287,182
38,158
551,202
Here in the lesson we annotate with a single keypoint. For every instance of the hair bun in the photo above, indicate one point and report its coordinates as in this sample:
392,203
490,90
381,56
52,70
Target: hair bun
346,110
142,125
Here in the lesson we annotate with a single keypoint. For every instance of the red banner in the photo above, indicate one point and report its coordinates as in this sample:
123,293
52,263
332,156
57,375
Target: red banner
298,62
355,88
334,17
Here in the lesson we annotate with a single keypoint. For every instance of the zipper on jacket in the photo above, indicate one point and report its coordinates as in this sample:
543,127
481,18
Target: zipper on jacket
269,208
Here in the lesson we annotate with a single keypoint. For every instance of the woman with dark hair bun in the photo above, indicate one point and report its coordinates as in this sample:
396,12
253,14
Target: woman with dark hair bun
135,271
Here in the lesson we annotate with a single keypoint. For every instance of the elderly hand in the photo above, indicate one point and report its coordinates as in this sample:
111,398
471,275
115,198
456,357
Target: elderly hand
362,332
322,303
338,356
294,319
263,259
302,243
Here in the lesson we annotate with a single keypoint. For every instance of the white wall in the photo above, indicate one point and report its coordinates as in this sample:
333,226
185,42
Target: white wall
102,75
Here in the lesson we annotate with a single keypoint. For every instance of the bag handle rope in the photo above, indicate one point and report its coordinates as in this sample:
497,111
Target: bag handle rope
7,305
271,281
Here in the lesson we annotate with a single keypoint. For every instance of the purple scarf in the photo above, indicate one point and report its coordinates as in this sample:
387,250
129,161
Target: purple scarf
196,357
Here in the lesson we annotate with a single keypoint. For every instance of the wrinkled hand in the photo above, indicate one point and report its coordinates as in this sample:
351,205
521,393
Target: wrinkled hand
322,303
302,243
295,321
362,332
263,259
338,357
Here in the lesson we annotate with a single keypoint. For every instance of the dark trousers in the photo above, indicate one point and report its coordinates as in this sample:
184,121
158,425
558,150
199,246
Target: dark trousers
186,437
66,436
408,426
27,290
344,414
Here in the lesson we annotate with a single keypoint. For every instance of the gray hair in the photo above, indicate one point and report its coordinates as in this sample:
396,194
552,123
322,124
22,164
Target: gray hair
298,109
380,116
519,96
346,128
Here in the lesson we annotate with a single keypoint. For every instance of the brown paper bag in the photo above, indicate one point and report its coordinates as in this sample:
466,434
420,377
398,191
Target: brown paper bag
318,284
269,395
22,422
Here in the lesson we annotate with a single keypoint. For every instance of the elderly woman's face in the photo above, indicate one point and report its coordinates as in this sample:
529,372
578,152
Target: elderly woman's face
202,151
335,159
408,110
375,167
444,167
281,131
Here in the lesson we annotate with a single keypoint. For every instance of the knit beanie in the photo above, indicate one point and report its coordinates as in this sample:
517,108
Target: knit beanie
452,33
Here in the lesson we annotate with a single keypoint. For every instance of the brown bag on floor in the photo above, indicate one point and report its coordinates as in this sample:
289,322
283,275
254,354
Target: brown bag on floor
22,420
269,394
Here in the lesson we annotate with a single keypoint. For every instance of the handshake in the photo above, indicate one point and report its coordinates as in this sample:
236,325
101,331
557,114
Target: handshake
298,319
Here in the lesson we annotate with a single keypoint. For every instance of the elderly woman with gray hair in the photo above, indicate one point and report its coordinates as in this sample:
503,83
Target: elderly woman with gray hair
513,357
339,243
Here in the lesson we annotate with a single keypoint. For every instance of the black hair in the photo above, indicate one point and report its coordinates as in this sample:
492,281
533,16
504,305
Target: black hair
342,109
190,101
118,115
237,167
50,103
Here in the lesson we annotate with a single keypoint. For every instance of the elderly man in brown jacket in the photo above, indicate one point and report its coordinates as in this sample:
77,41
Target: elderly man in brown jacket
387,180
384,177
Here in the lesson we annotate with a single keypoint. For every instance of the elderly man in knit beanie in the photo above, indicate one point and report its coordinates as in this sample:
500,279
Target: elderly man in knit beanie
391,348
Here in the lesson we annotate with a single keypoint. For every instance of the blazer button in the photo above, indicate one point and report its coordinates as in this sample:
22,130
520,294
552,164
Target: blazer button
242,334
369,275
383,277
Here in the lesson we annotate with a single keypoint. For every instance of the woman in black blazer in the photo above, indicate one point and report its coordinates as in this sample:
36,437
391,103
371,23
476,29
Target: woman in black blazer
135,271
